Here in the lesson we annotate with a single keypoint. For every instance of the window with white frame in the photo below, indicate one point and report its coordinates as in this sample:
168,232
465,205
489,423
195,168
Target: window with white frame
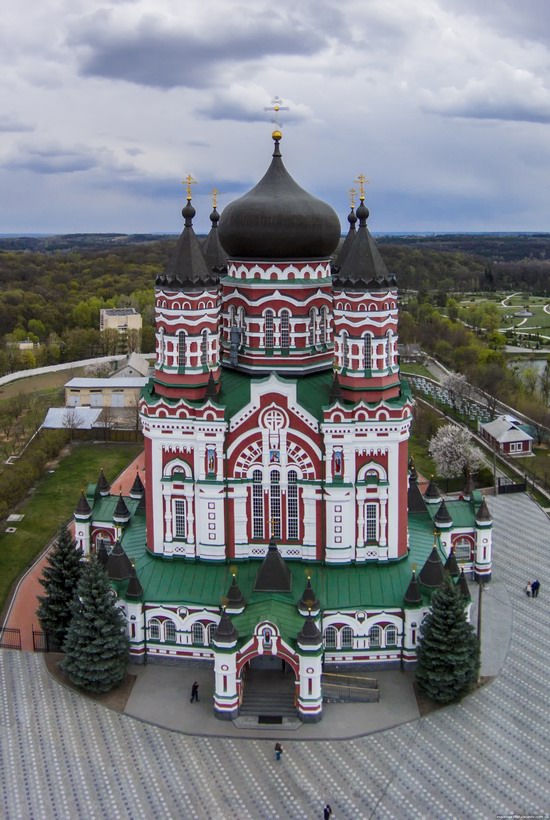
375,636
170,631
154,629
330,637
180,518
204,348
182,349
257,505
311,327
242,325
323,326
292,504
211,629
285,329
391,635
345,349
516,446
389,338
347,637
275,503
198,633
463,549
368,351
269,328
371,522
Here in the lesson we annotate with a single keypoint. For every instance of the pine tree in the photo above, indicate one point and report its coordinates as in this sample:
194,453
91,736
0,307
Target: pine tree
448,653
59,578
96,647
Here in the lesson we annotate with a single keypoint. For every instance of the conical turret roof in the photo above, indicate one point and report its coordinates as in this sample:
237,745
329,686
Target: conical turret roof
431,574
348,241
187,268
415,500
273,575
308,601
211,387
235,599
363,267
118,566
83,509
309,635
278,219
432,493
442,517
451,565
483,516
463,586
413,596
336,391
137,487
225,631
102,554
121,514
134,588
214,254
103,486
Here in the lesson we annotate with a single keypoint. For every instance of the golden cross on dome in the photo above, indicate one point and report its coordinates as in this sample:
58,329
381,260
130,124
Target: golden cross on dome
214,197
188,181
362,181
352,193
276,106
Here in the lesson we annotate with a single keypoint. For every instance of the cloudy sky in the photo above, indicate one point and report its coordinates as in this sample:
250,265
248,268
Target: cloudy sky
105,107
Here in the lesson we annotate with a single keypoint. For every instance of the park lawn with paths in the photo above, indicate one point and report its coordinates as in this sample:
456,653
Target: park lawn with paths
53,501
415,370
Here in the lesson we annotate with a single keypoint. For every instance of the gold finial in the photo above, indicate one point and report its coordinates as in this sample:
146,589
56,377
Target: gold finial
276,106
215,197
223,601
233,571
352,193
362,181
188,181
273,522
414,567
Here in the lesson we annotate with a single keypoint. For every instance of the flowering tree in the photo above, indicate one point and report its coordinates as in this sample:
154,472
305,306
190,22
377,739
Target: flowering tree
454,452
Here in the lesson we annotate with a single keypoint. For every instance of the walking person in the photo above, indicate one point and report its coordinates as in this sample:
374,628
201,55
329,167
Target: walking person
194,692
528,588
535,586
278,751
327,811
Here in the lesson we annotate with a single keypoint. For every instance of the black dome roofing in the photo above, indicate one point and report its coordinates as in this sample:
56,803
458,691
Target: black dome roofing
277,219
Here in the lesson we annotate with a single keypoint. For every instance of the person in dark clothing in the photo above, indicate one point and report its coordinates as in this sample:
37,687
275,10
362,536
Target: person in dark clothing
327,811
535,586
278,751
194,692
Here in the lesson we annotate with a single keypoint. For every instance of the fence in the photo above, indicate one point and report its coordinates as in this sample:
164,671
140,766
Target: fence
10,638
349,688
43,642
507,485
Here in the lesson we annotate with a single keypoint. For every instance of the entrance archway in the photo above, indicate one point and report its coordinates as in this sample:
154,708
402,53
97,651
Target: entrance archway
268,689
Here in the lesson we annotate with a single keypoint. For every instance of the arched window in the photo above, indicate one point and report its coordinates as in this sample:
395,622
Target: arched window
311,328
345,350
391,635
242,325
375,636
275,503
463,549
154,629
347,637
231,316
285,329
323,326
160,350
292,504
389,338
180,519
269,328
182,349
257,505
211,629
198,633
368,352
170,631
204,348
330,637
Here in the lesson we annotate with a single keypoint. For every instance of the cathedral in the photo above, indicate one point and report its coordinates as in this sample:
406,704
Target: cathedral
279,521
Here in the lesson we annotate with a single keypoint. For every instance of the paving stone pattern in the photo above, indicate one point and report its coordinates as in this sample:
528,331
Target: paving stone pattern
62,756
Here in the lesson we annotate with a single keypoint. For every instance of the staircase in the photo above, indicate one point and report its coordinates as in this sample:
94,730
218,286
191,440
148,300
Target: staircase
268,694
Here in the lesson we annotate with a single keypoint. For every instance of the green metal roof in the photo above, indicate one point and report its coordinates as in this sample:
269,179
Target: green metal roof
462,512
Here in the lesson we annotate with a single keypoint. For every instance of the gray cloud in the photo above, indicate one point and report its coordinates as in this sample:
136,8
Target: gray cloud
153,53
508,17
12,124
59,159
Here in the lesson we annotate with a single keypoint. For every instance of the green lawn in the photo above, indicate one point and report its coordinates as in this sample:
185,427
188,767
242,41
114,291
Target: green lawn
53,501
415,370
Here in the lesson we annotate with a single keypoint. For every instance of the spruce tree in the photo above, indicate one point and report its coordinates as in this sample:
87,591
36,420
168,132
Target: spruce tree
96,647
448,653
59,578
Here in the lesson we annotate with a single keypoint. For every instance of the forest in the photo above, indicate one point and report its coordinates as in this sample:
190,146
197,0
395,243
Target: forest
52,288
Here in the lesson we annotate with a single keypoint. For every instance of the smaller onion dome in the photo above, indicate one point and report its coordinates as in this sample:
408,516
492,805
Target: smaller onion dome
225,631
413,597
83,509
442,517
431,575
121,514
103,486
308,603
137,487
309,635
432,494
463,586
451,565
118,566
134,588
214,254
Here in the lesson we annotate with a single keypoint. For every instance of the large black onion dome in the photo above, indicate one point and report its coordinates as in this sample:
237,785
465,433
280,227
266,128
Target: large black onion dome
277,219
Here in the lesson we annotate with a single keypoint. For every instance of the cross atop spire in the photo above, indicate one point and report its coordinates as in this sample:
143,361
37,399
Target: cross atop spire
362,181
352,192
188,181
276,106
215,197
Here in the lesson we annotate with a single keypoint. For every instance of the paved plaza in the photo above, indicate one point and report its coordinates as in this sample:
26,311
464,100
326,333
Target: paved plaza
63,756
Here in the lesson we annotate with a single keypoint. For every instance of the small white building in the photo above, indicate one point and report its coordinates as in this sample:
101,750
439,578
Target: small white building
121,319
